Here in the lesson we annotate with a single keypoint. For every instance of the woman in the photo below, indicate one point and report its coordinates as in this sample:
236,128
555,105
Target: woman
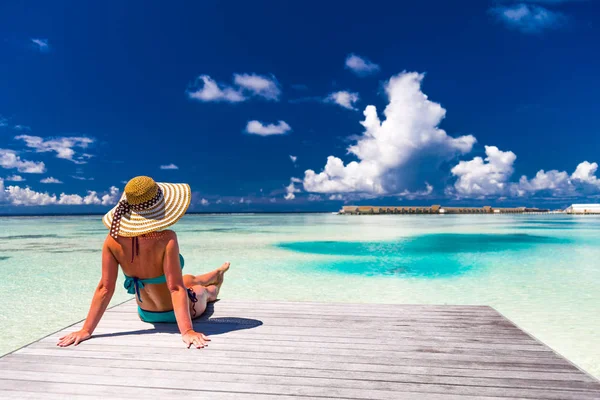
150,259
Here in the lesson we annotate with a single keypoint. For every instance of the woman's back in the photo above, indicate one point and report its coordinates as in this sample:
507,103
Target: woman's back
148,253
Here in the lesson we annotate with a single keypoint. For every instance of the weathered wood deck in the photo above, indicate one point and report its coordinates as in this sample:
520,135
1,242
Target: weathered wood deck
283,350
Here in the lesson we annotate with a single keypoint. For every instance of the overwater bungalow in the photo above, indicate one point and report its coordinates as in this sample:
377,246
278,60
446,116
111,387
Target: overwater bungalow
438,209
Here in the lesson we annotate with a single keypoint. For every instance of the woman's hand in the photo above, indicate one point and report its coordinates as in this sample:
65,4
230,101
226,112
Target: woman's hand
74,338
195,338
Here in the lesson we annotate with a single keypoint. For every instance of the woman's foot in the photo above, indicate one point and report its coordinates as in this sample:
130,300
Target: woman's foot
221,274
213,277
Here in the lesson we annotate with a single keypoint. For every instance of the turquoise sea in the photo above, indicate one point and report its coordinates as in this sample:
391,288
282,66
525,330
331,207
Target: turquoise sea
542,271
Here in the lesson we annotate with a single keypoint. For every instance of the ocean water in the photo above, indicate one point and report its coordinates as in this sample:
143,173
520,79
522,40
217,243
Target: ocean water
542,271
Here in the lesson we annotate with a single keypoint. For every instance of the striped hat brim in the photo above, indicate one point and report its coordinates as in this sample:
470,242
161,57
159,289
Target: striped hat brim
173,205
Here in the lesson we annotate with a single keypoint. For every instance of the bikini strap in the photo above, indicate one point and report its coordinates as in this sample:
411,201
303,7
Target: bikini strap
135,247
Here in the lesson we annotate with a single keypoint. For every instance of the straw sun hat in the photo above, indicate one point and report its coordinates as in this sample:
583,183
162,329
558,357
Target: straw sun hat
147,206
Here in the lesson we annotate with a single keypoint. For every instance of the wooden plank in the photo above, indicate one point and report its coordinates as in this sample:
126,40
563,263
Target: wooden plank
233,330
285,350
430,318
282,385
339,355
373,328
13,389
389,313
366,344
445,378
308,362
324,348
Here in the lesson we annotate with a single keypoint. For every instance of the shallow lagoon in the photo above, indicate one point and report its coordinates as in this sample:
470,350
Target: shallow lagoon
540,271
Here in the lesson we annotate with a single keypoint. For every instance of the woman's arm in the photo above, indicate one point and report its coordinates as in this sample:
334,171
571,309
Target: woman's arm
179,297
102,295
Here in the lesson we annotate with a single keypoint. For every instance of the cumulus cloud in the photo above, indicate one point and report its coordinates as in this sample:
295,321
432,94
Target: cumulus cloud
204,202
360,65
169,166
417,193
41,44
482,178
397,154
3,121
20,196
206,89
258,85
62,146
529,18
10,160
291,189
50,180
293,158
491,177
343,98
245,86
586,173
15,178
258,128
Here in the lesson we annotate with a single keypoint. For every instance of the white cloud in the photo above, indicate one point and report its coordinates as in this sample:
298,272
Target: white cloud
111,197
219,201
258,128
586,173
336,197
41,44
343,98
50,180
22,128
63,146
314,197
258,85
291,189
15,178
20,196
3,121
82,178
361,66
490,177
529,18
481,178
417,193
293,158
9,160
169,166
555,181
245,87
210,90
204,202
397,154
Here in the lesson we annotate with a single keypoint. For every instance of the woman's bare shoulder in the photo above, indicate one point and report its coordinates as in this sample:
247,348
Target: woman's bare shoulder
169,234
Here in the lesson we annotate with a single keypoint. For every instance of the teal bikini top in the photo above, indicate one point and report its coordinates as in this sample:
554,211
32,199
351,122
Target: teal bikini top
133,284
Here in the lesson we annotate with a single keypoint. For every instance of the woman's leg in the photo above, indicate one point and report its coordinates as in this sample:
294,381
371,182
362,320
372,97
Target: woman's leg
211,278
204,294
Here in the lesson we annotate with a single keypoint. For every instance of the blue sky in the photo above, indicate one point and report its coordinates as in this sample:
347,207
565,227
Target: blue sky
298,106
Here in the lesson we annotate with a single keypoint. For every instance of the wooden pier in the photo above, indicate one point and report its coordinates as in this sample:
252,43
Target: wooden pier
284,350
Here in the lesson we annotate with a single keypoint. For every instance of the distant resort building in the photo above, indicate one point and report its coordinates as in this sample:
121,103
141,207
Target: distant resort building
583,209
437,209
